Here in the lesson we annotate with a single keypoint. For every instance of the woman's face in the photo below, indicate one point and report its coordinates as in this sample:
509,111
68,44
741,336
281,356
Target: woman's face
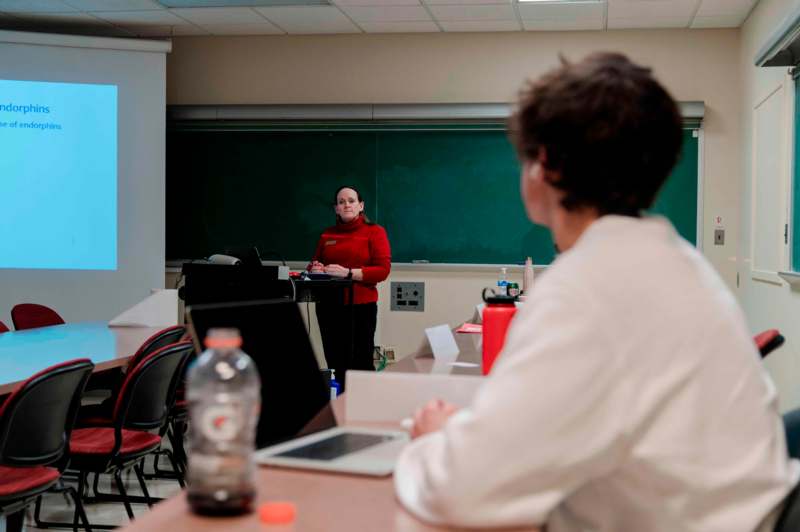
347,205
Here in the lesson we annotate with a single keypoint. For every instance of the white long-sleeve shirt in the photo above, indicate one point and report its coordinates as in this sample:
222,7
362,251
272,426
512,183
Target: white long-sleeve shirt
629,397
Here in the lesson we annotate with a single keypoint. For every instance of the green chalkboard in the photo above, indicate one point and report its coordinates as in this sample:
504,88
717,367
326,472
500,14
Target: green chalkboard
444,193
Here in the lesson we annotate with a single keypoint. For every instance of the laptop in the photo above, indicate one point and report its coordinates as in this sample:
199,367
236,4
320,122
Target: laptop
296,427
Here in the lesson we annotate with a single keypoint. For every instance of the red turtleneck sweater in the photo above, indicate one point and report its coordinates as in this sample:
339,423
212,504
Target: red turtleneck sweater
358,245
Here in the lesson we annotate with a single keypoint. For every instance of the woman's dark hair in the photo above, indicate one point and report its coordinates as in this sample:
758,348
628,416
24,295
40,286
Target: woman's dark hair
358,197
610,133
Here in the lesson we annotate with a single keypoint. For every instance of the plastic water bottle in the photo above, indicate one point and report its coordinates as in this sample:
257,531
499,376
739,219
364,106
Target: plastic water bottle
224,394
497,315
527,276
502,282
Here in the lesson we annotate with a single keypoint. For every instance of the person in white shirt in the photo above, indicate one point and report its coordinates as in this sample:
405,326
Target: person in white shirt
629,395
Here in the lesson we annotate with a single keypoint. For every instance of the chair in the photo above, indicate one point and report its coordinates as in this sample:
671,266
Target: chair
144,400
3,327
110,381
768,341
30,316
35,424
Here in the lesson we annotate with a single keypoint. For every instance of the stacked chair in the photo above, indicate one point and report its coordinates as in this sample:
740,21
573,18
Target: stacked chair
36,422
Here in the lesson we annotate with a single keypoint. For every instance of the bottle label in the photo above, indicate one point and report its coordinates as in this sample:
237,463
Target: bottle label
221,422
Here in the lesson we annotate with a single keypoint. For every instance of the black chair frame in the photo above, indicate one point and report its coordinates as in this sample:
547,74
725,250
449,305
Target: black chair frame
147,394
35,427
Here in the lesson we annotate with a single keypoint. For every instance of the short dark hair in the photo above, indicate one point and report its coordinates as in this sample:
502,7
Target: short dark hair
610,131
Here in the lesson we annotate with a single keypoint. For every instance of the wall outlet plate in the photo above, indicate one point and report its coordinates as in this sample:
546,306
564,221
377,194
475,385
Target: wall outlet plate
719,237
407,296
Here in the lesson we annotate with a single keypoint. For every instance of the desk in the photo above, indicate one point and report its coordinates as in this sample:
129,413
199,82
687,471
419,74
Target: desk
23,353
469,347
325,501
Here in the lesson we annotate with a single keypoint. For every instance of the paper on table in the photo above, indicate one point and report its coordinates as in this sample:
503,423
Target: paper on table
442,342
470,328
159,309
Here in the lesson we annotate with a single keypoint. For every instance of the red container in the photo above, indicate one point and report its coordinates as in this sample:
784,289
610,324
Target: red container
497,316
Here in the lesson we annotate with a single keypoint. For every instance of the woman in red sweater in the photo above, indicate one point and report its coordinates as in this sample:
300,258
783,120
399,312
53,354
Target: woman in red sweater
358,249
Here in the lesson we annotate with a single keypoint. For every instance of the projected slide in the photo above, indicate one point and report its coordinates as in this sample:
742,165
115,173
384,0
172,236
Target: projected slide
58,175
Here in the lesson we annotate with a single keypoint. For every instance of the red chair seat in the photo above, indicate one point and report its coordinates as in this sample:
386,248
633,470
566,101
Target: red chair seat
100,440
14,480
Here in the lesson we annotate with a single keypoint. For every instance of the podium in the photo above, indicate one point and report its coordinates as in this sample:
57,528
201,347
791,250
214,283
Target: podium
223,283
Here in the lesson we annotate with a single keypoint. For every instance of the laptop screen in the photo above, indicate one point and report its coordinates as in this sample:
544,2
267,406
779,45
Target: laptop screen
293,390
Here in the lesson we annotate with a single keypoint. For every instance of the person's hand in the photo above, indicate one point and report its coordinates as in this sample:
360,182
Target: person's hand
432,417
317,267
334,270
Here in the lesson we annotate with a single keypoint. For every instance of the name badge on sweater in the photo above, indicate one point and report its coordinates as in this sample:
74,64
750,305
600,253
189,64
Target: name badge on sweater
330,242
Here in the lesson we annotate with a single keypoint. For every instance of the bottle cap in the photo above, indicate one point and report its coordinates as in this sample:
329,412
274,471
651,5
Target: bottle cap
223,339
277,513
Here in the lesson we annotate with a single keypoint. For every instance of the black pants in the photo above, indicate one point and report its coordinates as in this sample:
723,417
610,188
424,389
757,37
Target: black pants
335,327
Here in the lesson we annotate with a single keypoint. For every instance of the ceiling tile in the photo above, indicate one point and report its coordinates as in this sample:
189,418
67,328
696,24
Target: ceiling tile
651,9
571,11
719,21
710,8
465,2
158,30
473,12
35,6
113,5
626,23
143,18
264,28
309,19
418,26
480,25
387,13
218,15
376,2
61,18
562,24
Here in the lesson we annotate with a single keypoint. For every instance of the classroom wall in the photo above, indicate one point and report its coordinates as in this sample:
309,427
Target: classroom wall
482,67
767,303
